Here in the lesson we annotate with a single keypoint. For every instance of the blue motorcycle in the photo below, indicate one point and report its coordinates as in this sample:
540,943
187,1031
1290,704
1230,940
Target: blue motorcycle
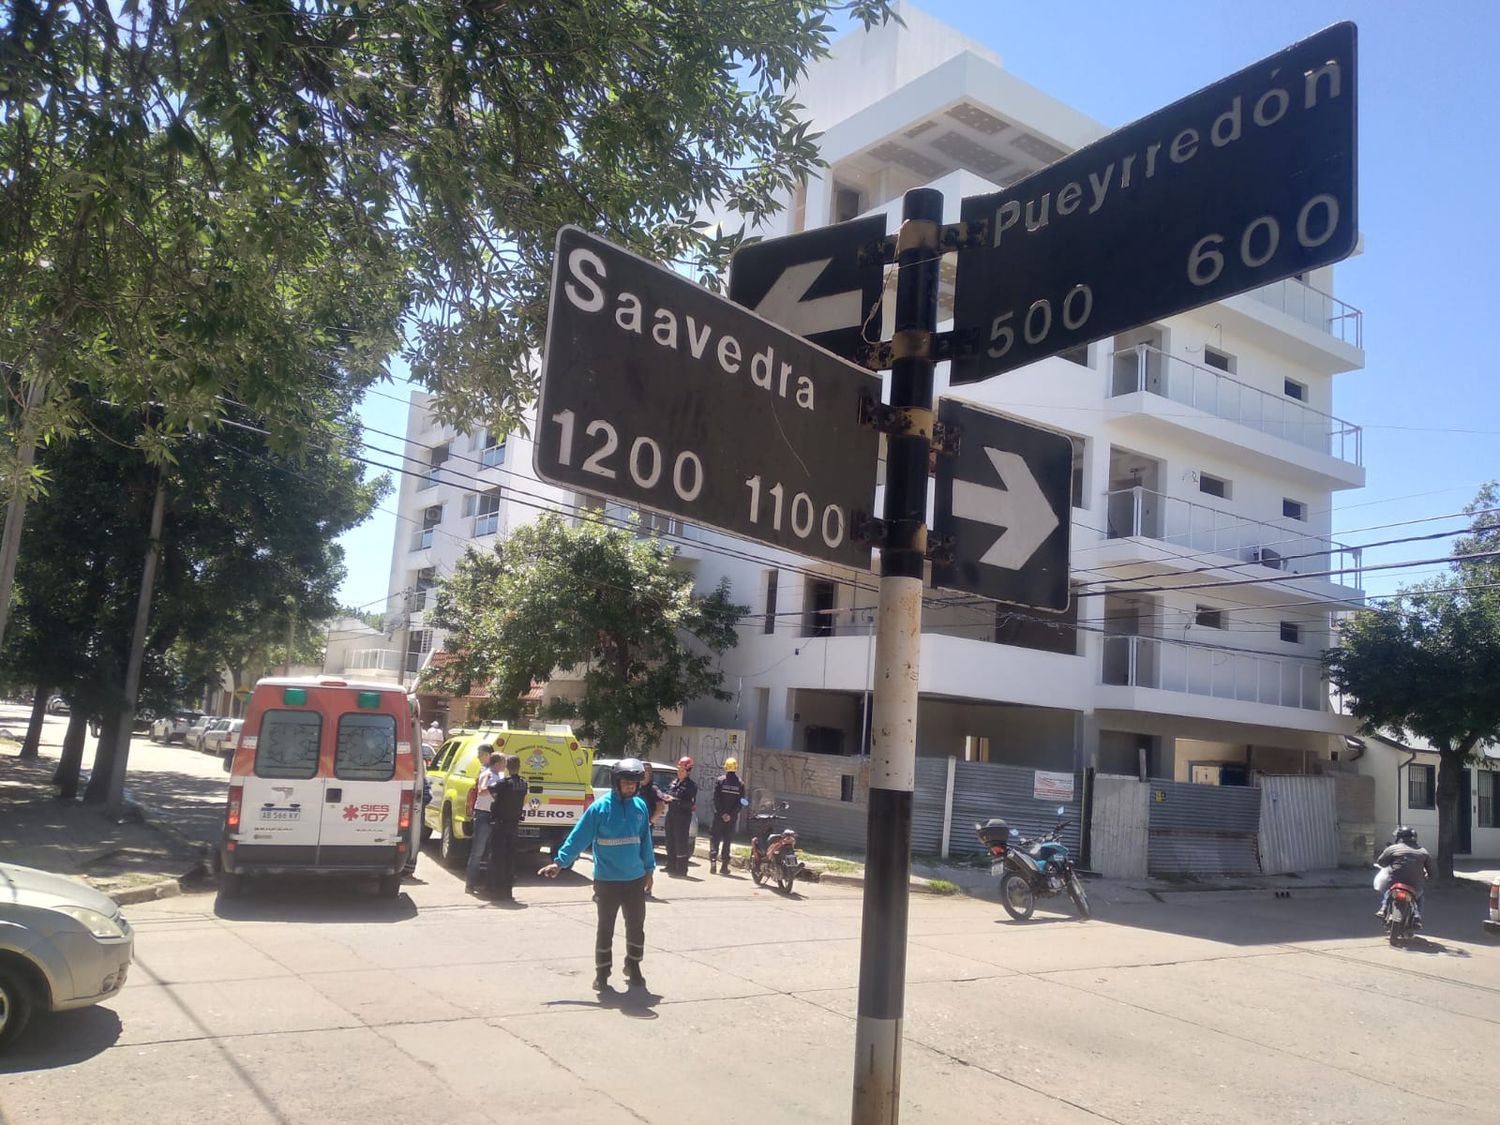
1029,869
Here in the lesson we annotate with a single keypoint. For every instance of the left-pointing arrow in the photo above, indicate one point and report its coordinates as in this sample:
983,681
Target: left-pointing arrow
1020,508
783,304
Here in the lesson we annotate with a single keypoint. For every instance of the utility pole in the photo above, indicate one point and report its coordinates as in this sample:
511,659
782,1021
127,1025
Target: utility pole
115,794
893,737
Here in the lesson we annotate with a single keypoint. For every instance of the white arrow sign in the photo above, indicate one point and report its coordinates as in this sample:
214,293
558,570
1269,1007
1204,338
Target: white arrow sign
784,305
1020,508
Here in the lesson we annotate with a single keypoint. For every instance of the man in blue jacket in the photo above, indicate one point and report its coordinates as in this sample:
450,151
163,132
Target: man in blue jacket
618,828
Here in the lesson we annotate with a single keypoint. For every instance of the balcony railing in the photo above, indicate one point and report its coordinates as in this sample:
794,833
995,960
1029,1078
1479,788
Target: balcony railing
1312,306
373,660
492,456
487,524
1144,368
1203,670
650,523
421,540
1199,529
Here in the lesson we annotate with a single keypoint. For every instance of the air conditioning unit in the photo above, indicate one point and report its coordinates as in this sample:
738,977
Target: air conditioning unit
1267,557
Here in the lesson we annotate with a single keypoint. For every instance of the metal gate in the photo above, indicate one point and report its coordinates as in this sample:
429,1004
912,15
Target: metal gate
1298,824
982,790
1207,830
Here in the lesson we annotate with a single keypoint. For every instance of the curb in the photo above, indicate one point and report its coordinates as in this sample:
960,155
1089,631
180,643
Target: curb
150,892
156,819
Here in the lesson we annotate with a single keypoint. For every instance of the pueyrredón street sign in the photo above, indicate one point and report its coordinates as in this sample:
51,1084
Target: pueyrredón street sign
1247,181
667,397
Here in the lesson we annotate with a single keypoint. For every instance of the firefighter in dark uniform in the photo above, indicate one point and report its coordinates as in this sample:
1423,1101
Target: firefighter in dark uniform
506,808
682,799
729,795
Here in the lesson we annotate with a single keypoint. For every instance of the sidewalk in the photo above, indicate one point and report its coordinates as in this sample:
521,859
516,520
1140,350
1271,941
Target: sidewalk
127,858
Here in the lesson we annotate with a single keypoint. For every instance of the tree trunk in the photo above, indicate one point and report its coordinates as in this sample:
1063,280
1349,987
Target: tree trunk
105,753
1450,767
31,745
71,760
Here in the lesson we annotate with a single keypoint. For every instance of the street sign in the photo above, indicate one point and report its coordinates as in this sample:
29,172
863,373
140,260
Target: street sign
1005,500
814,284
1248,181
660,394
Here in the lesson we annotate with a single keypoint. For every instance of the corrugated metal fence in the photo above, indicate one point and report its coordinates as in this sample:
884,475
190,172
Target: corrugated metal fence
1206,830
1298,824
982,790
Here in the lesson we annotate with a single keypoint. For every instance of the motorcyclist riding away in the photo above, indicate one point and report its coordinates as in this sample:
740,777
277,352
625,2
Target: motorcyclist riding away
1409,863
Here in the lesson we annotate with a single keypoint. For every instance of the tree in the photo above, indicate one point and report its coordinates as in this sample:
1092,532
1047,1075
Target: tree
1426,663
553,596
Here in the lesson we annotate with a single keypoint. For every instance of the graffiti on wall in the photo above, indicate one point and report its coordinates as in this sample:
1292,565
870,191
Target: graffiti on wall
787,773
708,747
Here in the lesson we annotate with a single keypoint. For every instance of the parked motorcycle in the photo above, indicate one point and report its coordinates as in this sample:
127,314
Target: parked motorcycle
1401,914
773,852
1029,869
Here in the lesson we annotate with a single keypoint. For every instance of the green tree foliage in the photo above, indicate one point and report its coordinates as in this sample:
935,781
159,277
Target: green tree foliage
558,597
219,193
249,531
1426,663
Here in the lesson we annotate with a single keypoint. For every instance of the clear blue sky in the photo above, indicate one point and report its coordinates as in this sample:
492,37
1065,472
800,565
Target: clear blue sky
1429,96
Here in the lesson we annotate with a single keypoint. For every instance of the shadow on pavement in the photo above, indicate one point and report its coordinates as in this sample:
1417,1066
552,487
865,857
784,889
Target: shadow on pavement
291,899
56,1039
1259,917
634,1003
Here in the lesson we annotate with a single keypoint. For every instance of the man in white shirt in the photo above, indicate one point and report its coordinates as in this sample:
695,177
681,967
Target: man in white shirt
480,826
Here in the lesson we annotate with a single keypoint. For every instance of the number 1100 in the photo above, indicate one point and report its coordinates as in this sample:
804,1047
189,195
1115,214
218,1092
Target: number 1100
802,512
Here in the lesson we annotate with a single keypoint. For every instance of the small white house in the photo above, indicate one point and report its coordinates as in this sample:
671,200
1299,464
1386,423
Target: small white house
1405,774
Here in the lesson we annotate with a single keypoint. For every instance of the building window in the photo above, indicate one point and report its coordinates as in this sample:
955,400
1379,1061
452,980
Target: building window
1421,787
487,514
1293,389
1489,799
422,582
421,538
1078,355
848,202
491,448
1079,498
418,645
1210,618
1291,632
771,577
817,611
1294,509
1222,361
1213,486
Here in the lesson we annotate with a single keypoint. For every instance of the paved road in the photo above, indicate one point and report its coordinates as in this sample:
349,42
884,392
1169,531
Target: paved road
319,1003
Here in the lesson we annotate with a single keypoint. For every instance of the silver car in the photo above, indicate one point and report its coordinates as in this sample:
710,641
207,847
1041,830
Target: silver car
62,945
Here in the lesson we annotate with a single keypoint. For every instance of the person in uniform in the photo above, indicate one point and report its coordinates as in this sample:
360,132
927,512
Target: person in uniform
729,796
507,805
618,829
682,798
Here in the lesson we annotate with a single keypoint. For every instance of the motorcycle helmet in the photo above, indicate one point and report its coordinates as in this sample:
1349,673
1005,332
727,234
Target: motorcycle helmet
731,764
1405,835
627,769
685,763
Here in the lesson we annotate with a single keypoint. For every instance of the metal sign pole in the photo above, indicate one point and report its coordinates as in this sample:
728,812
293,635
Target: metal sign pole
893,736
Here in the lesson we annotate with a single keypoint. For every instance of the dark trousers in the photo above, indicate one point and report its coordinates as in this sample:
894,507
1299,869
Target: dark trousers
614,897
678,847
719,837
502,865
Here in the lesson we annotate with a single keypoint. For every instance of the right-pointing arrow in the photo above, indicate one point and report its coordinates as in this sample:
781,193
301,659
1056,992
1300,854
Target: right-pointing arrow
783,303
1020,508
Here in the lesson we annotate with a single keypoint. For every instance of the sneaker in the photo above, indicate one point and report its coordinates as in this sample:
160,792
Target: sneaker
601,983
713,868
634,979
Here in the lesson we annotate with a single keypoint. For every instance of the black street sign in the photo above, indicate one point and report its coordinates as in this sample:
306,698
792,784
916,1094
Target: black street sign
662,395
1241,184
814,285
1005,500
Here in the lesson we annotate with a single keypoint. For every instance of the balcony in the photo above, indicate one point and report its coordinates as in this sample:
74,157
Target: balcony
373,660
421,540
486,524
1144,368
1315,308
1204,535
1212,673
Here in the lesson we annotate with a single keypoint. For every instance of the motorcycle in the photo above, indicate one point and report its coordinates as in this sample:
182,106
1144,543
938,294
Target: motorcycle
1401,914
773,854
1029,869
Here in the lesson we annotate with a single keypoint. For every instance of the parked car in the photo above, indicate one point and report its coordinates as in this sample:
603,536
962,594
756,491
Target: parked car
62,945
661,777
1492,923
196,737
174,727
57,705
220,735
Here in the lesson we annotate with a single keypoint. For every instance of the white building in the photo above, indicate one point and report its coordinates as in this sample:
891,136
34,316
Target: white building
1206,457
